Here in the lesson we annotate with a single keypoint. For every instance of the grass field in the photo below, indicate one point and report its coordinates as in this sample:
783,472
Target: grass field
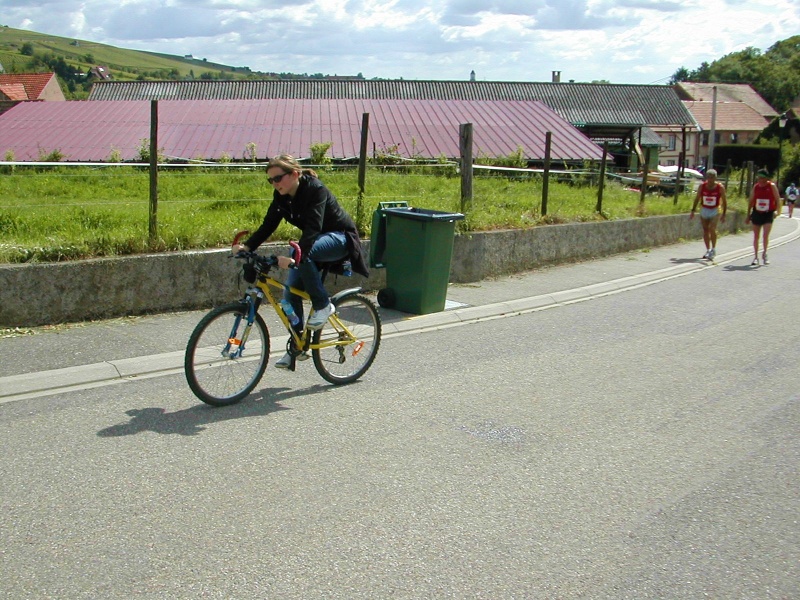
63,213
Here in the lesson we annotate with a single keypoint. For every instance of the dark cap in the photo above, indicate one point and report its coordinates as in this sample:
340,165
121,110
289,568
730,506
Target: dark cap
762,173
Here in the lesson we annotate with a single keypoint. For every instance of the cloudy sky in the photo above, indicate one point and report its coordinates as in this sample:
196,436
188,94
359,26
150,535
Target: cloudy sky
621,41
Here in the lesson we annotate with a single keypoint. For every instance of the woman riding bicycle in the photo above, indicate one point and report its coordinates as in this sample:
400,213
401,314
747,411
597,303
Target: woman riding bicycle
328,234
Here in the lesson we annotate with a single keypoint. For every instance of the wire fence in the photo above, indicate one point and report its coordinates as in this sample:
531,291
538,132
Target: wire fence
55,211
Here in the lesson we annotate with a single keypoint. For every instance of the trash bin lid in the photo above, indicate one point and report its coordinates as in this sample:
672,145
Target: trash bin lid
424,214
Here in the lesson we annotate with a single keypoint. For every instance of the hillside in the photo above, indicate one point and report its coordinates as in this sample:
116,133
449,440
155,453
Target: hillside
23,51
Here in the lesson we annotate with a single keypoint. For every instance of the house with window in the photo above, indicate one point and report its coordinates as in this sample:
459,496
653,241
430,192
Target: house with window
100,73
728,122
732,113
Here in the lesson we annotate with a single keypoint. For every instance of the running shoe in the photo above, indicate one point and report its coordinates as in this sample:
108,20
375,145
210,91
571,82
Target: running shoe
320,317
764,258
754,263
286,360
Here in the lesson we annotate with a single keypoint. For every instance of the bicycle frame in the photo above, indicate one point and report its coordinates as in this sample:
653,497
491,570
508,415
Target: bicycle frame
263,289
221,372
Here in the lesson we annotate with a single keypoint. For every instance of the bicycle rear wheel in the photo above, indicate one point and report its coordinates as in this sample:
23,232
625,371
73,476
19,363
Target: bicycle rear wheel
354,333
217,370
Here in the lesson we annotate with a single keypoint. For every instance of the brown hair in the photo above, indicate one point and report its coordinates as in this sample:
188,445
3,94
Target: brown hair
289,163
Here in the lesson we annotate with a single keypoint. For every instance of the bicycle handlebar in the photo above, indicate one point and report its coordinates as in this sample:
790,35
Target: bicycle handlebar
263,261
255,258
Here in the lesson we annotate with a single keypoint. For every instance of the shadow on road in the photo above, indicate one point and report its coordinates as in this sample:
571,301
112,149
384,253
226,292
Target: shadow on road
740,267
193,420
683,261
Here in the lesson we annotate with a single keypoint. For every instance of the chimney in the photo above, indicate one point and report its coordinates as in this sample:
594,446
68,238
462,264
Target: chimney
556,76
472,75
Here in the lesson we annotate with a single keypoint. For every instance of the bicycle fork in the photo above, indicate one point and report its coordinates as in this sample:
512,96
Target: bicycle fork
235,347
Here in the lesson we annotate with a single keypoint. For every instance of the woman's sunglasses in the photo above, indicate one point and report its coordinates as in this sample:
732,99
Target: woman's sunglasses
277,178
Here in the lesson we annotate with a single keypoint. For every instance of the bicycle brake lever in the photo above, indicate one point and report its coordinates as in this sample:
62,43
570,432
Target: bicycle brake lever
239,236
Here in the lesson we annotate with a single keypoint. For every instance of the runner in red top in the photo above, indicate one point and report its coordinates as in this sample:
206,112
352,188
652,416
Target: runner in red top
710,195
764,204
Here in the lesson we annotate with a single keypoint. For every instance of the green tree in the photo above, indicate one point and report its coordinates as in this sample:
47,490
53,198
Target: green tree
774,74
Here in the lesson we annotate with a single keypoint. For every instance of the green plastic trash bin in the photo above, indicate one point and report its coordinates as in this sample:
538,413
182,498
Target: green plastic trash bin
415,245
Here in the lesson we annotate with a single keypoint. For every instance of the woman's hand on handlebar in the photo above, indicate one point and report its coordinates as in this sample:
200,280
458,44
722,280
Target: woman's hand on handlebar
284,262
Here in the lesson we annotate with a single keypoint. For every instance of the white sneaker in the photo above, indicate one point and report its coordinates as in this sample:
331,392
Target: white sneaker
286,360
712,253
754,263
320,317
764,258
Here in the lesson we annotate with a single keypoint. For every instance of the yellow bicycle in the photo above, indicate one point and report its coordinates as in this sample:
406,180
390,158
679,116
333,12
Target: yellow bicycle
228,351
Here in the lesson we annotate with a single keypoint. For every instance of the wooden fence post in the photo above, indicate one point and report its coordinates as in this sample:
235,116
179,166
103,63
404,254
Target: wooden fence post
362,174
601,187
741,179
465,149
548,138
679,175
153,222
645,173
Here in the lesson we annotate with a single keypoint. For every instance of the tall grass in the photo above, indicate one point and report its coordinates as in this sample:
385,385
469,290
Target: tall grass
61,213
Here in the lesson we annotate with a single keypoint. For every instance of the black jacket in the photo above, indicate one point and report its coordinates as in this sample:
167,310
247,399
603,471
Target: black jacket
314,210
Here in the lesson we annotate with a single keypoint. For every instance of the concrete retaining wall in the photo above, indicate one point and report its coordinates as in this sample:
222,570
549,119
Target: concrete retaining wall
39,294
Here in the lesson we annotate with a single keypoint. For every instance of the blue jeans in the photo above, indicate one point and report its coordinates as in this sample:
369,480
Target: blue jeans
329,247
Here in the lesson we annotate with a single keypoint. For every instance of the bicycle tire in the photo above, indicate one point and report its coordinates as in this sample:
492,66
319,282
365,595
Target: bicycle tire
343,364
214,377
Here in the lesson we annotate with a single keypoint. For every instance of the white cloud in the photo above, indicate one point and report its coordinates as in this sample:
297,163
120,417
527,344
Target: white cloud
623,41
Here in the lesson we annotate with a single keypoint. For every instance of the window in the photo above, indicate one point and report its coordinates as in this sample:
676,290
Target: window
734,138
704,139
672,143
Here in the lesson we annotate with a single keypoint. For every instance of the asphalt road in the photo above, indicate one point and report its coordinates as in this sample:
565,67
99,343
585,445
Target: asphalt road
638,445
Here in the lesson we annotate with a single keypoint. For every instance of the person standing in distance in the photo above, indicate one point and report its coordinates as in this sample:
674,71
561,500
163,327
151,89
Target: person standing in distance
792,194
710,195
764,203
328,234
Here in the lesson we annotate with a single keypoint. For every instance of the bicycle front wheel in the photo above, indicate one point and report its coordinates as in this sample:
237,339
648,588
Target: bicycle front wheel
219,369
349,341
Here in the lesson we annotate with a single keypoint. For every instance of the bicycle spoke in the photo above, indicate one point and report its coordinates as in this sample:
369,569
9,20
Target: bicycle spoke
350,340
219,370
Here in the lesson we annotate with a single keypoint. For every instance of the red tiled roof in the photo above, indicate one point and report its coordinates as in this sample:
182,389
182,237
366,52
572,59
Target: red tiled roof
90,130
731,116
34,82
726,92
13,91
